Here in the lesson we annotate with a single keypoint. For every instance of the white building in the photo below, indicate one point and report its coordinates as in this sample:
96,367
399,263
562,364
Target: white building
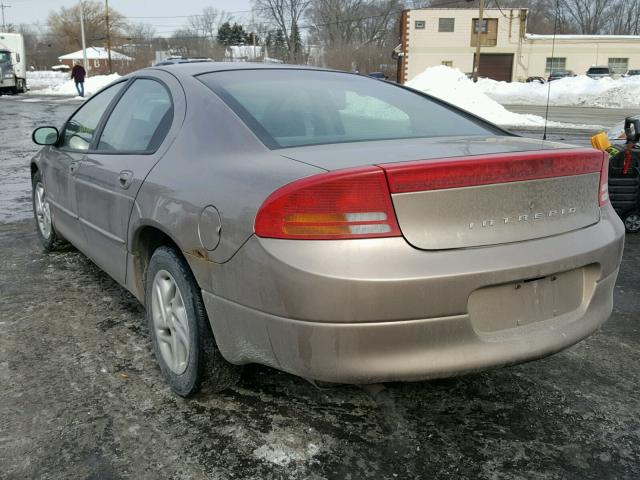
448,36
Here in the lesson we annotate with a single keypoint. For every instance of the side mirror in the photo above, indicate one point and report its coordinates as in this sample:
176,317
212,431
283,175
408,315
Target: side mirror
45,136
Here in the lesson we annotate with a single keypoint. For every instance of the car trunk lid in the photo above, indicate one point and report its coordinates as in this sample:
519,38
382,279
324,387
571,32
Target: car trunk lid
497,198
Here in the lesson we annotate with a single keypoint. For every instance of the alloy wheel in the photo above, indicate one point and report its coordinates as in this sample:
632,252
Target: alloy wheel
43,210
632,222
170,322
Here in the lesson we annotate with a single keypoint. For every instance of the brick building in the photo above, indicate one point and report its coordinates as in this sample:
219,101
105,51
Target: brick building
97,58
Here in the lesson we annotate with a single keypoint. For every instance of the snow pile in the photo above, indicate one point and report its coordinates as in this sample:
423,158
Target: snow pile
453,86
42,79
57,83
580,91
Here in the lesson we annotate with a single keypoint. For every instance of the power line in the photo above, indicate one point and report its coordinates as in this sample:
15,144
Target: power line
3,7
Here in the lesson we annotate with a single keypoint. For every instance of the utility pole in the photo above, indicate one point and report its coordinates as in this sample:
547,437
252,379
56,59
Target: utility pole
253,35
108,38
84,43
476,61
2,7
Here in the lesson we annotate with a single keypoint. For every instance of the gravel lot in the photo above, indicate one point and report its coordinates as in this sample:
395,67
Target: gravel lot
81,395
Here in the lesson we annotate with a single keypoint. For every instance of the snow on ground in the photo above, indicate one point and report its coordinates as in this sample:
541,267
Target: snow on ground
580,91
453,86
58,83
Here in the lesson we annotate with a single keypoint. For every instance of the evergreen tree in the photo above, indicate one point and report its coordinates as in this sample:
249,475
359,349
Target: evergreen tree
232,35
295,44
238,35
279,46
224,34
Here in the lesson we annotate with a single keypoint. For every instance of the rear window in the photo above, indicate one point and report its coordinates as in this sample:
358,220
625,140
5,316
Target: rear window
598,70
287,108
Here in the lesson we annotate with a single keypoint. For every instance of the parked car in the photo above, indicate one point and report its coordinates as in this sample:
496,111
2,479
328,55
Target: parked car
556,74
535,79
632,73
378,75
177,60
327,224
61,68
598,72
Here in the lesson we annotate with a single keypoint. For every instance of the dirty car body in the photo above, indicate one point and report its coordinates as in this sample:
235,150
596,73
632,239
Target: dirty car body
337,234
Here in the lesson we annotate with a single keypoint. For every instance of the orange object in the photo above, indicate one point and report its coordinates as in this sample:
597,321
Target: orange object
601,141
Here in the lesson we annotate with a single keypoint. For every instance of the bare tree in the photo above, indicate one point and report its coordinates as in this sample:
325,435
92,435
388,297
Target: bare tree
188,43
139,42
377,21
64,24
626,21
356,34
208,22
285,15
333,21
590,16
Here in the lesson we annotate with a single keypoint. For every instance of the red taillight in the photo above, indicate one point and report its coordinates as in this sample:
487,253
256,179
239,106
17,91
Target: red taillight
488,169
352,203
603,192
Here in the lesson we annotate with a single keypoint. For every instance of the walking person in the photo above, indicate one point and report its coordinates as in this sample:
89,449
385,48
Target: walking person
77,74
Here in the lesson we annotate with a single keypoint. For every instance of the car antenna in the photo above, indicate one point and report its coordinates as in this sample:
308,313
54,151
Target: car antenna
553,49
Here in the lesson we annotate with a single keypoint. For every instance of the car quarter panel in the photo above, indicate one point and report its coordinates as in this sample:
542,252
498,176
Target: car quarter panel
216,160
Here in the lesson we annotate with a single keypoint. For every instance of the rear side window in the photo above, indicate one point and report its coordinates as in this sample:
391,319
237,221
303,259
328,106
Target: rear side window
80,129
287,108
140,120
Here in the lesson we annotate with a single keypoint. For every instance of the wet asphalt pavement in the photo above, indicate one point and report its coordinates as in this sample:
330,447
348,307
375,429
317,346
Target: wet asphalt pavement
81,395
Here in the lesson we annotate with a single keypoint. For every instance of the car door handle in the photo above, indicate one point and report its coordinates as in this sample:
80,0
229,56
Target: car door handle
125,179
73,167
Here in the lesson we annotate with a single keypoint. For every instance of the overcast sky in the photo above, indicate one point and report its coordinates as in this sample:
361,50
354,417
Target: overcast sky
36,11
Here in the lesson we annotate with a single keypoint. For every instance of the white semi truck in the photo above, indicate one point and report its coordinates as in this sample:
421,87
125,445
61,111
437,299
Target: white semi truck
13,63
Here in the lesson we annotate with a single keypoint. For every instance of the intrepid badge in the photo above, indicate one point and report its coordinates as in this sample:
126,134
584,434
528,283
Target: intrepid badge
525,217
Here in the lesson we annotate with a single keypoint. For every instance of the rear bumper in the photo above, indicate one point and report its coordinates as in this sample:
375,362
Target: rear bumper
380,310
407,350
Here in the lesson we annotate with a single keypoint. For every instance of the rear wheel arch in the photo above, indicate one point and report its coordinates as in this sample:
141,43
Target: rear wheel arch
146,240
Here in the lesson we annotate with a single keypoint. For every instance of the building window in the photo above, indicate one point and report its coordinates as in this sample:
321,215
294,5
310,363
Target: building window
96,63
485,25
446,24
489,35
618,65
554,64
447,63
420,24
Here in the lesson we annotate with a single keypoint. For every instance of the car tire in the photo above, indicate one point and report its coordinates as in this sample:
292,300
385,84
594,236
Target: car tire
180,332
49,238
631,221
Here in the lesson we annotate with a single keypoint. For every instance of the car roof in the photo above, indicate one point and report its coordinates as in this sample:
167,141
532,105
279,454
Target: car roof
196,68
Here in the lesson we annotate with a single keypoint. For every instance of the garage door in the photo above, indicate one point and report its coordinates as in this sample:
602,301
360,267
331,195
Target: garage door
497,66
